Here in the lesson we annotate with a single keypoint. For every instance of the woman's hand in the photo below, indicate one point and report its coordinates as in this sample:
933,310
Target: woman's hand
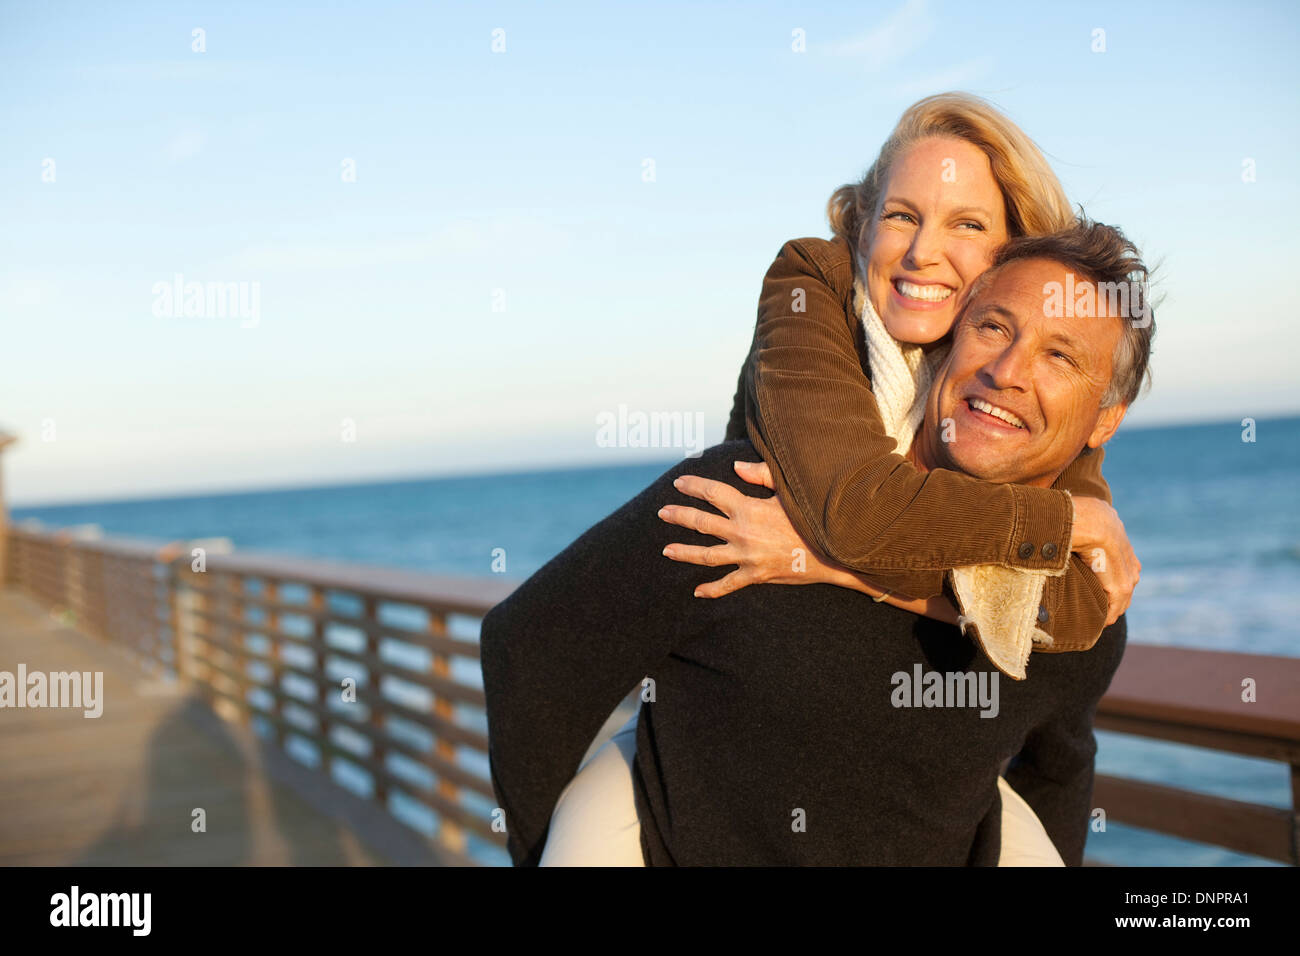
756,532
1099,538
759,537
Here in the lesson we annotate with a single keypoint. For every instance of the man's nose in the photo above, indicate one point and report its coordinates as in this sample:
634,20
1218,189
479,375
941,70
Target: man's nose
926,248
1010,367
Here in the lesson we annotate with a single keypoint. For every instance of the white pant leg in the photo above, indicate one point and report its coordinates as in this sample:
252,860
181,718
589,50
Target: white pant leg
594,822
1024,841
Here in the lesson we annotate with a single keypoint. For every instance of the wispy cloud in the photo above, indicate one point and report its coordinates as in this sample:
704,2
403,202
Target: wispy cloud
906,29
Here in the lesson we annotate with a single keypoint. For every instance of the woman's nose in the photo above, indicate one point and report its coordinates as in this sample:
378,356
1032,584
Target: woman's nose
925,250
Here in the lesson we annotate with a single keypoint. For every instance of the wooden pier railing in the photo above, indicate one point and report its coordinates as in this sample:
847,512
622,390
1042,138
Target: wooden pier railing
1247,704
363,670
357,670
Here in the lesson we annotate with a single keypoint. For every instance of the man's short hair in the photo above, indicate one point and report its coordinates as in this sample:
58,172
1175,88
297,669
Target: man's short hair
1100,254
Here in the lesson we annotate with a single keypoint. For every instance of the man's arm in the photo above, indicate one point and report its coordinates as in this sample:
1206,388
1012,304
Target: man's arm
1055,767
565,648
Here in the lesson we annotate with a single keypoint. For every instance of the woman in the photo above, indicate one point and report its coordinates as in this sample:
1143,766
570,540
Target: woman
953,181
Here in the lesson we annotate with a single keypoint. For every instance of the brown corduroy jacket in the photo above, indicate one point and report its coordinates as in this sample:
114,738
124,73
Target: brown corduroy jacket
804,400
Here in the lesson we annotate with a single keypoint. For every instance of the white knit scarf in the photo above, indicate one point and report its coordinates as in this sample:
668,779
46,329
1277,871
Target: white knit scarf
901,373
1001,602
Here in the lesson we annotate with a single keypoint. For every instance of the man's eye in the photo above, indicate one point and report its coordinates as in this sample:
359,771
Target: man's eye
1062,356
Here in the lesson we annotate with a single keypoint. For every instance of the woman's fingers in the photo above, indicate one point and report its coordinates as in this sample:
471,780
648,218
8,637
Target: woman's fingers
717,493
1118,578
731,583
695,519
717,556
755,472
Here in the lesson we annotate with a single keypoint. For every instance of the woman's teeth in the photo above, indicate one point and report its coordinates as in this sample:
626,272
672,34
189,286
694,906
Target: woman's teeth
983,406
926,293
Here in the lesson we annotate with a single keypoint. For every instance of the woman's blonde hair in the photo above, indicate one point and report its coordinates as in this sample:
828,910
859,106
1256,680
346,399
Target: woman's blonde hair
1036,203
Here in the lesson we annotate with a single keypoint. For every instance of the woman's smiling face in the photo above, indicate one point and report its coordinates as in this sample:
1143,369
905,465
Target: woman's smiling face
940,218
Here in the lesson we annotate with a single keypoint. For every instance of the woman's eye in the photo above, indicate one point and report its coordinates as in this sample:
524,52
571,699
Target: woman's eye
973,225
897,215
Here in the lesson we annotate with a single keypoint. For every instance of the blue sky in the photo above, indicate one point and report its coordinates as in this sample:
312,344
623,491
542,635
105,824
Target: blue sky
486,179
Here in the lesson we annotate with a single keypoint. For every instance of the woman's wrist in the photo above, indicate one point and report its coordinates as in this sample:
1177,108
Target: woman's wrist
845,577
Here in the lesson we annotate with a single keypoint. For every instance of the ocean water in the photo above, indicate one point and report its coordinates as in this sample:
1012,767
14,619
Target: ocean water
1215,521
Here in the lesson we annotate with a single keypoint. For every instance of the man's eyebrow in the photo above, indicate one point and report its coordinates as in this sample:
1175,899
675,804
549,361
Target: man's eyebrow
1062,338
988,307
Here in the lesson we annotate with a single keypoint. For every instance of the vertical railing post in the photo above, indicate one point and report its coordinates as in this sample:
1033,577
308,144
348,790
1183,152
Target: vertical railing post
449,832
271,631
5,440
63,562
73,580
234,594
15,560
1295,814
374,695
316,601
199,600
178,605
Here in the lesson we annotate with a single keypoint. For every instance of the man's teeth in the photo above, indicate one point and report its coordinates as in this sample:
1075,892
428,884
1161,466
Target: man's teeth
982,406
928,293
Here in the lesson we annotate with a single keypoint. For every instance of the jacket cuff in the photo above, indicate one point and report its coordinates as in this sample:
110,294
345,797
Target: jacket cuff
1003,604
1040,536
1086,611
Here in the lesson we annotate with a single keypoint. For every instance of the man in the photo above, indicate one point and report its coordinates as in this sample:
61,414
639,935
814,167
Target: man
809,725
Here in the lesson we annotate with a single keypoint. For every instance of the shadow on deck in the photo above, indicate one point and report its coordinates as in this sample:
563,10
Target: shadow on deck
123,788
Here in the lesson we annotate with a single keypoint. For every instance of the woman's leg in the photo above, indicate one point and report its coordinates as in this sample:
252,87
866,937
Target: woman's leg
594,822
1024,841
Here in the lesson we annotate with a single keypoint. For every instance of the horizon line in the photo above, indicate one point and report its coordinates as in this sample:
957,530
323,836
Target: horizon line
238,490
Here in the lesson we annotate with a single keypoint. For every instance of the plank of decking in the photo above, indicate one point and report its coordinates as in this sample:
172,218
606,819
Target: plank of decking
120,789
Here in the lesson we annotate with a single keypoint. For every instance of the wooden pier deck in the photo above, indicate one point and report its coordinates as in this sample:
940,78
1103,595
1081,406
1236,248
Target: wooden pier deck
121,789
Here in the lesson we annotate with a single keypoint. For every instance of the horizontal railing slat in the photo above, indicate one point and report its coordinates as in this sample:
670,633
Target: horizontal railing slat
1267,832
1199,688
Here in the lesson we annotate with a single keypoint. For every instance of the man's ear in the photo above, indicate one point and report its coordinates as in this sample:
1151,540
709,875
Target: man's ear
1107,422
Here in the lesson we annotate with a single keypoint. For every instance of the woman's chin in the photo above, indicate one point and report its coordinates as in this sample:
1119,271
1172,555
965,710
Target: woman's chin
918,330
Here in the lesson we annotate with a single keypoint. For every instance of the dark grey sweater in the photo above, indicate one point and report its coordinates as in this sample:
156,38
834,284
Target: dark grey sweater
774,736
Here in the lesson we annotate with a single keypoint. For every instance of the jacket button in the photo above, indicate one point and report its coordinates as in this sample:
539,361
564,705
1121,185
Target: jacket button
1042,614
1049,550
1026,551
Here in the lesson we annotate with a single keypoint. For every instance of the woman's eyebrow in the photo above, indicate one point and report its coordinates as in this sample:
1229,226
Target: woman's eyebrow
969,210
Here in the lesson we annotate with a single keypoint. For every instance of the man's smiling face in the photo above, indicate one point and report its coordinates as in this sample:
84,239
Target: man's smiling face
1021,391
